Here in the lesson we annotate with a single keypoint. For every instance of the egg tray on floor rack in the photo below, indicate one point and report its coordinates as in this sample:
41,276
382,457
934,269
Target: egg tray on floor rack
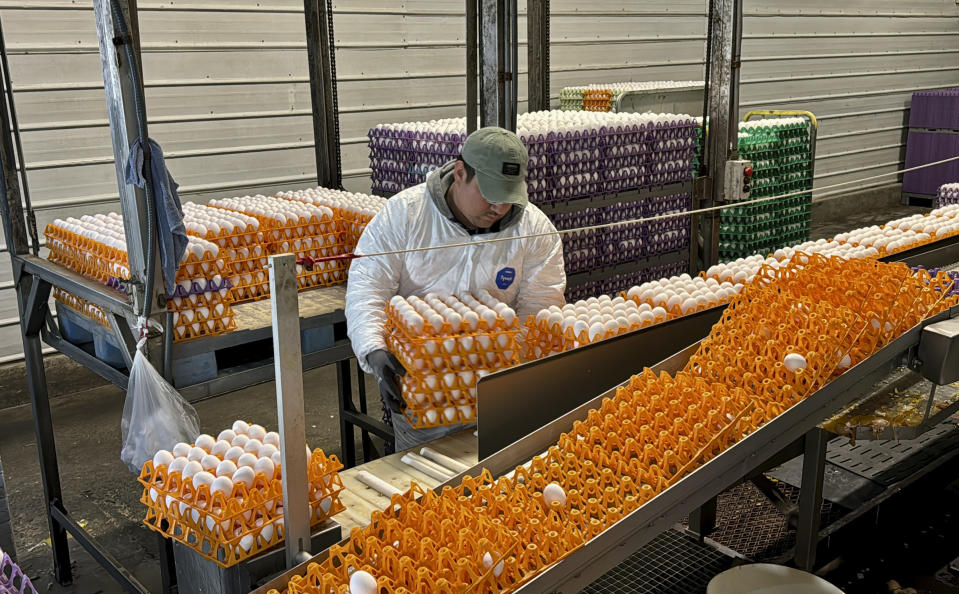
619,541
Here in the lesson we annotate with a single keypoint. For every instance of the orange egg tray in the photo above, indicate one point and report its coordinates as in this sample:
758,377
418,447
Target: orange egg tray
85,256
442,367
81,306
229,529
597,99
656,429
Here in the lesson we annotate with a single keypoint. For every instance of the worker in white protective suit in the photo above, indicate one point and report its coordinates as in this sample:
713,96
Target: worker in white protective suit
479,196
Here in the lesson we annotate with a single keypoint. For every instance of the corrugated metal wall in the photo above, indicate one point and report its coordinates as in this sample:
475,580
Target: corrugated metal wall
228,92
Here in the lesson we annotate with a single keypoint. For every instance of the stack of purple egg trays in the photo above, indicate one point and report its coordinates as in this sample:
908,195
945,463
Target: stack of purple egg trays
948,194
953,274
12,579
403,158
576,164
621,282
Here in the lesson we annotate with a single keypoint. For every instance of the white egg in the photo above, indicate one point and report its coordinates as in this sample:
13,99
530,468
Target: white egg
431,415
794,362
265,467
178,465
209,462
162,458
181,450
277,458
257,432
202,478
220,448
240,440
596,330
267,451
488,563
225,468
253,446
240,427
362,582
271,438
191,469
244,475
553,492
579,327
247,459
222,484
233,454
196,454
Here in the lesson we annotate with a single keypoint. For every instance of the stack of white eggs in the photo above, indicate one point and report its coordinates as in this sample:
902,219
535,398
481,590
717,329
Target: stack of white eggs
355,209
940,223
447,343
307,230
248,455
104,231
682,295
226,227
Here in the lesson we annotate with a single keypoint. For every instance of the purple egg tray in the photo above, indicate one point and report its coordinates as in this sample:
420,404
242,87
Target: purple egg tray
947,194
562,166
937,109
953,274
12,579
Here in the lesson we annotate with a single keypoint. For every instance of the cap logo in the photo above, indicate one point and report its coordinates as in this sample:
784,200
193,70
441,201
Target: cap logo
511,168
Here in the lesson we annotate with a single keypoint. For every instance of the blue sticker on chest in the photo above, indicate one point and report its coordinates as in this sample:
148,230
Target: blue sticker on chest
505,277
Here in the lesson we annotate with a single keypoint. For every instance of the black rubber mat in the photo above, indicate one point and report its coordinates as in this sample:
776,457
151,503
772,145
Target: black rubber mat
672,563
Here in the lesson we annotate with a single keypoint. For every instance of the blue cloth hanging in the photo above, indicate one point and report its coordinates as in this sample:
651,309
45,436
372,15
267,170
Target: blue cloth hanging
170,231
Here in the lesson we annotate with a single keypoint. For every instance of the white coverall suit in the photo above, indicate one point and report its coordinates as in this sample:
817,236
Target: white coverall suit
526,274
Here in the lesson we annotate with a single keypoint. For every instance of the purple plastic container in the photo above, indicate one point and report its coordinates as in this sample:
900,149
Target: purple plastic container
12,580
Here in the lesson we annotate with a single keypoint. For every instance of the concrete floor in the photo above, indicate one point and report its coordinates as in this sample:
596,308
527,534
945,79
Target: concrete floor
103,494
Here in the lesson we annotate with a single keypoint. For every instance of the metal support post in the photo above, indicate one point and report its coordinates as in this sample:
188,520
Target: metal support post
472,74
14,227
288,359
498,60
122,109
537,43
325,112
810,497
345,392
722,139
702,520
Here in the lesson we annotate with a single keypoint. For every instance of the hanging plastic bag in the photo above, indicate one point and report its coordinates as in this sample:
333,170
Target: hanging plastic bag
155,416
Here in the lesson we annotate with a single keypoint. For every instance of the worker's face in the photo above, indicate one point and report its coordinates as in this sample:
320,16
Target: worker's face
470,201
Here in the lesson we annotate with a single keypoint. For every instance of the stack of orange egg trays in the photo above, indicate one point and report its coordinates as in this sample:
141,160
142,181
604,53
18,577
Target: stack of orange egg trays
782,338
307,237
241,249
81,306
93,259
227,528
444,359
200,308
597,99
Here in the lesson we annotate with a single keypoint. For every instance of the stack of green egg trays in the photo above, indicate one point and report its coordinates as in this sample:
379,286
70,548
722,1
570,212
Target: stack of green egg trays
780,150
571,99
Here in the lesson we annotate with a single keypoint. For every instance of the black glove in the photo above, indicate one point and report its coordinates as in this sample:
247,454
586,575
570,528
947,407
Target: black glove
387,369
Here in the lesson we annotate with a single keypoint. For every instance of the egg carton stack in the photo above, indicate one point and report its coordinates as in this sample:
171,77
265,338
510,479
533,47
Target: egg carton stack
12,578
354,209
239,240
403,154
573,98
948,194
95,247
308,230
447,343
781,152
223,497
597,99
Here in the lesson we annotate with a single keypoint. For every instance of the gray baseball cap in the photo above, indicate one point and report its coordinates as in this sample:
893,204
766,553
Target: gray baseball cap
500,161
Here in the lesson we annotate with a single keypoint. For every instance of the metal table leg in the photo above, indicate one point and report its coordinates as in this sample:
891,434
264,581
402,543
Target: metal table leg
368,453
167,564
702,520
344,394
810,498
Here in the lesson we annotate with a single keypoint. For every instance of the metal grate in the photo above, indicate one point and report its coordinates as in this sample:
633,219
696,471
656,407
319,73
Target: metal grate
748,523
890,461
671,563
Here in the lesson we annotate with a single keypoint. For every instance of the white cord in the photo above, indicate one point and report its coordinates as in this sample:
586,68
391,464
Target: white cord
829,196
